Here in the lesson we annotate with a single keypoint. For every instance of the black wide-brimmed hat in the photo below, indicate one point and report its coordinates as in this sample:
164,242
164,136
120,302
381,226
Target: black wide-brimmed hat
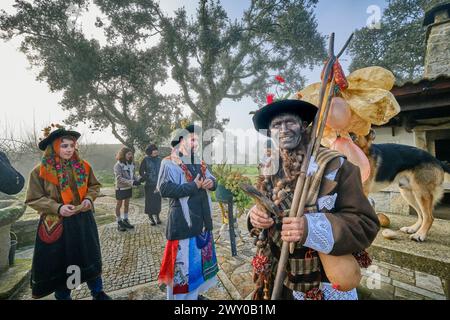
181,133
58,133
305,110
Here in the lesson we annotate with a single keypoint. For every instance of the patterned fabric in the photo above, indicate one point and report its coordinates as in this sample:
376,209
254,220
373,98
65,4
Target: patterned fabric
166,272
56,171
329,293
186,267
327,202
209,260
320,234
50,228
188,174
304,271
304,267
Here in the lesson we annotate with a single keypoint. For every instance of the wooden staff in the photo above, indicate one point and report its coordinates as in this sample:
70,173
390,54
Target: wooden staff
303,181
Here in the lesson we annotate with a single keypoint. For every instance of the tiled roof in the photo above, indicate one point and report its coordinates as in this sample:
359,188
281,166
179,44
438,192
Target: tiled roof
422,80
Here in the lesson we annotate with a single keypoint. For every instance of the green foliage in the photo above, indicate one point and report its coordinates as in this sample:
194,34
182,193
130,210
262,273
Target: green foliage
210,56
105,177
231,179
400,43
213,57
114,85
247,170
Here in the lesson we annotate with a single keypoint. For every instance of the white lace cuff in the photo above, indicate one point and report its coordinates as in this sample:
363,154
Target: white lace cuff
320,234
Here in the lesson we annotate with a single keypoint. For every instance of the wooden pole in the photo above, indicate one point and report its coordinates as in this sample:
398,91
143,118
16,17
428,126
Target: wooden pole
299,201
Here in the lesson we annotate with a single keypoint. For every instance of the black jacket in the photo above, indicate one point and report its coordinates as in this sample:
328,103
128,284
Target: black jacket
149,170
198,203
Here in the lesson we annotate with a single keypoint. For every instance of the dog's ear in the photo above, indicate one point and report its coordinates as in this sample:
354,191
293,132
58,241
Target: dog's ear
371,136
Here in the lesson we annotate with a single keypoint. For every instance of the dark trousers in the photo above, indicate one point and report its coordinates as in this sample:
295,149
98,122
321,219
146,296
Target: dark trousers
95,285
152,200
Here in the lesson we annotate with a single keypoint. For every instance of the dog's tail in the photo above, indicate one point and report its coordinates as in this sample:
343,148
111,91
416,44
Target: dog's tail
445,167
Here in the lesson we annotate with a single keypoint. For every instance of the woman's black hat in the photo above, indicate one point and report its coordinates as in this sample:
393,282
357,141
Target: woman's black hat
58,133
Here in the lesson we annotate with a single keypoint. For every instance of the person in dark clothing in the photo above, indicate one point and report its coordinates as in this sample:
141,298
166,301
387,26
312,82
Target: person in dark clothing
11,181
149,171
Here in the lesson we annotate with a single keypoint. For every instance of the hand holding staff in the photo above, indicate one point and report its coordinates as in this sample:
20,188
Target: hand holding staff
302,185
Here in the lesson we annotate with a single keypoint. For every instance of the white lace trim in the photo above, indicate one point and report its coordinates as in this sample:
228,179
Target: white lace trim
320,234
329,293
327,202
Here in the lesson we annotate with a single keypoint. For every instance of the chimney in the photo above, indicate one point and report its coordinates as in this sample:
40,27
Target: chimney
437,20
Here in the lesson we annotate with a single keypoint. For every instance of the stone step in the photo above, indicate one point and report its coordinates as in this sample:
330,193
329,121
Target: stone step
14,278
430,257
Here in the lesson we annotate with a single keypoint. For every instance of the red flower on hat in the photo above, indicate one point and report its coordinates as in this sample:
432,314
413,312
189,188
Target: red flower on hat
270,98
280,79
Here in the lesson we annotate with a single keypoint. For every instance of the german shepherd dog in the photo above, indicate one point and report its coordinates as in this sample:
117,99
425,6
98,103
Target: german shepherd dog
417,173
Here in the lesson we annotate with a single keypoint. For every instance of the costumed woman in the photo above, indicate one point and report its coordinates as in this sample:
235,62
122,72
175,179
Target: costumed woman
62,189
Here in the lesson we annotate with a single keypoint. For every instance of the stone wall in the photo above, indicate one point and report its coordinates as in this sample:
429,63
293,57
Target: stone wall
437,61
390,201
399,136
25,230
384,281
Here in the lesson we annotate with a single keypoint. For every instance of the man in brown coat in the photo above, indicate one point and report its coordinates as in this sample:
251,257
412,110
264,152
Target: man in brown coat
339,219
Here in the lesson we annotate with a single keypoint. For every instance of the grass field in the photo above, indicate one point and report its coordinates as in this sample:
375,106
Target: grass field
106,177
246,170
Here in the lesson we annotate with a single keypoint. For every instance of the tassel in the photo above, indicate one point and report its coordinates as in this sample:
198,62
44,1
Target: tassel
266,290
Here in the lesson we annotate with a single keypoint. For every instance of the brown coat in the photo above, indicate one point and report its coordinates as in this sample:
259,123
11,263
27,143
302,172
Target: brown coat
339,220
44,197
354,223
353,220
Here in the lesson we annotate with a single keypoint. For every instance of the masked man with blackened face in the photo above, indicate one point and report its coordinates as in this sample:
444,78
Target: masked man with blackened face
338,219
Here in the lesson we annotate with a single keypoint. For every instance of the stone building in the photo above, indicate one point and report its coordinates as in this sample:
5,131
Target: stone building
424,120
